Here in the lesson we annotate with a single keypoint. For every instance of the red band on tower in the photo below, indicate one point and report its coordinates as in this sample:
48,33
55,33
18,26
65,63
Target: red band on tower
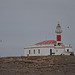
58,37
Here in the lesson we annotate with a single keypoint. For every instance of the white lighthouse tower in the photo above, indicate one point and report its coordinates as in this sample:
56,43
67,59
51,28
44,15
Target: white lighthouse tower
58,36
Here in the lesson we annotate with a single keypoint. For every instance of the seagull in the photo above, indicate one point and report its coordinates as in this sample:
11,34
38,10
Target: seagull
67,26
0,40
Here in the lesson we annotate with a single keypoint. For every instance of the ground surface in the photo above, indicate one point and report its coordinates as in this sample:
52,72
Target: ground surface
45,65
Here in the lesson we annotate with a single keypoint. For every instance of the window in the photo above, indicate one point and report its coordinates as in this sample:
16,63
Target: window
29,52
67,50
34,51
59,44
38,51
54,44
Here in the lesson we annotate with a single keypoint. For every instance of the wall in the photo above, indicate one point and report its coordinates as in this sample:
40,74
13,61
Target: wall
43,51
59,51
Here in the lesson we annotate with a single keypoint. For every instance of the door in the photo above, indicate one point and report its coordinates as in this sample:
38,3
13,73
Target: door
50,51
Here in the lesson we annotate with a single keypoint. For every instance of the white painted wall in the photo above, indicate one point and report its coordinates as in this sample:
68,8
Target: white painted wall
70,49
59,51
45,50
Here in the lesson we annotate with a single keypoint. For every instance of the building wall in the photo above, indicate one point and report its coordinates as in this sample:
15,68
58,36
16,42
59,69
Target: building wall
59,51
45,50
68,48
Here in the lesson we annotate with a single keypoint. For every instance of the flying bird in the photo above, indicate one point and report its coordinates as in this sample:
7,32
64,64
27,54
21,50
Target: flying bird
0,40
67,26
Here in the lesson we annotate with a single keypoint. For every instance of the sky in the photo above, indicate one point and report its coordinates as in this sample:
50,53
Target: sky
27,22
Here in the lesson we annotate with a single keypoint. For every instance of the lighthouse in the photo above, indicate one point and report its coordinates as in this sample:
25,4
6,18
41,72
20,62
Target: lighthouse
49,47
58,36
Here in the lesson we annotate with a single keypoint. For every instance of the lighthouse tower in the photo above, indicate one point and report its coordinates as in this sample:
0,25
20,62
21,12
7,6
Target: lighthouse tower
58,36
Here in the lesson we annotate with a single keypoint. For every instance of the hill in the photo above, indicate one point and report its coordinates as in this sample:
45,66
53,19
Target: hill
38,65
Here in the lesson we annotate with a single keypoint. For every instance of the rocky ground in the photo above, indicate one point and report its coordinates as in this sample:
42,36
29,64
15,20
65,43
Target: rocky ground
41,65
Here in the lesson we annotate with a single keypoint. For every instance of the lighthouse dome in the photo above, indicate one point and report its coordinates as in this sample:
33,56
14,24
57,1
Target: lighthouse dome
58,25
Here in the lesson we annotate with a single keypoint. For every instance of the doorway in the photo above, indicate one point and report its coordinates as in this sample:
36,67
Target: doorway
50,51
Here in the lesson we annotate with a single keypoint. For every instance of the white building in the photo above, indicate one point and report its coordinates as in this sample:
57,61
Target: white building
49,47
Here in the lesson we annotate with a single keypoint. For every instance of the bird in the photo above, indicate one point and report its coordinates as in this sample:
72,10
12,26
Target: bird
67,26
0,40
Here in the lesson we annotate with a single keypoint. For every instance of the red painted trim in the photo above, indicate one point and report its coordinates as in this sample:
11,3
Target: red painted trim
58,37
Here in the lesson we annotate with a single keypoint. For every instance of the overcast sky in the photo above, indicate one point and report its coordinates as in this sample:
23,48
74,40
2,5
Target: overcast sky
27,22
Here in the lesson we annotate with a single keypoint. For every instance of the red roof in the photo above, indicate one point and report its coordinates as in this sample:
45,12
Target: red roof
58,25
47,42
